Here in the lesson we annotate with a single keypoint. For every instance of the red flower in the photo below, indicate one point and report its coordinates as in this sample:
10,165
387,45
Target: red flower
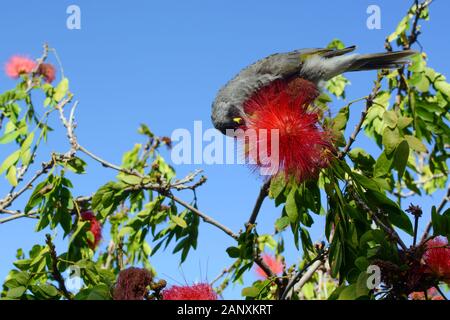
281,108
95,228
47,71
275,265
18,65
132,284
201,291
437,258
432,294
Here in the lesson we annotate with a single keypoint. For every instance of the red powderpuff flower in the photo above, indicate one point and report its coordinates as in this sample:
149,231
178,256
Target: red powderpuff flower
437,258
132,284
432,294
275,265
200,291
47,71
281,109
95,228
18,65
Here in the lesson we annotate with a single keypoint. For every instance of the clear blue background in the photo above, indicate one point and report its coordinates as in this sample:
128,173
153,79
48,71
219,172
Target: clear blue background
162,62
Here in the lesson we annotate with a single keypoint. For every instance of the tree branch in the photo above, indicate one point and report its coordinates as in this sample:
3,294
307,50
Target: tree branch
205,218
264,191
439,209
369,102
298,281
55,272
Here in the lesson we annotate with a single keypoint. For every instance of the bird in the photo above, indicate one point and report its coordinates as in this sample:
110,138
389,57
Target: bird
308,68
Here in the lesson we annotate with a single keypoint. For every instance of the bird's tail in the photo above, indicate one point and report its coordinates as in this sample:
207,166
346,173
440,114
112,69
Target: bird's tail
334,62
385,60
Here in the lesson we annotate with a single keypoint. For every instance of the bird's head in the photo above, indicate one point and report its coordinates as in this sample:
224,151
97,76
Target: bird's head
226,116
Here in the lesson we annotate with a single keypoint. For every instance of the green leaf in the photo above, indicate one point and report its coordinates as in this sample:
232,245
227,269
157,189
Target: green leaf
48,290
277,185
391,119
125,230
61,90
250,292
130,179
282,223
12,176
362,263
341,119
10,136
415,144
401,27
98,292
26,144
76,165
233,252
443,87
10,161
361,285
383,165
401,157
179,221
291,206
349,293
16,293
391,139
403,122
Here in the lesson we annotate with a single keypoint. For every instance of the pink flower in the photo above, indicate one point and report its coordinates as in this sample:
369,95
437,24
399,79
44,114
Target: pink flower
275,265
437,258
95,228
432,294
18,65
201,291
303,146
47,71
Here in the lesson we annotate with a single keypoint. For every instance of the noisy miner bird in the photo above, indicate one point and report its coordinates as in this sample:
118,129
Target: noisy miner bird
313,65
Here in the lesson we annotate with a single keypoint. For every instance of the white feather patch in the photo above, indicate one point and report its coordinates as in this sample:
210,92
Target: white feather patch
326,68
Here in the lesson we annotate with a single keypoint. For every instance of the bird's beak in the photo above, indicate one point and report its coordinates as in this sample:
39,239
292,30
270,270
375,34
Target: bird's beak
238,120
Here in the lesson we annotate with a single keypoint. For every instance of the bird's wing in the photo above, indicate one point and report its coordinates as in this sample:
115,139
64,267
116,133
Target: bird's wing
285,65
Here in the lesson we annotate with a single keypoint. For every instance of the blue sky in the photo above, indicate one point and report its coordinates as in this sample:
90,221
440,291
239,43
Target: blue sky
161,63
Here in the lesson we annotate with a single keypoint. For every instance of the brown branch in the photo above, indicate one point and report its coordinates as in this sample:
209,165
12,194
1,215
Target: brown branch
205,217
386,227
7,201
54,269
439,209
369,102
108,164
267,270
263,193
299,280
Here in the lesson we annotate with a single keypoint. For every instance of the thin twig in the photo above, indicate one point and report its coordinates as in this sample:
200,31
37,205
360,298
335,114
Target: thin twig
439,209
55,272
369,102
205,217
298,281
264,191
16,215
386,227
